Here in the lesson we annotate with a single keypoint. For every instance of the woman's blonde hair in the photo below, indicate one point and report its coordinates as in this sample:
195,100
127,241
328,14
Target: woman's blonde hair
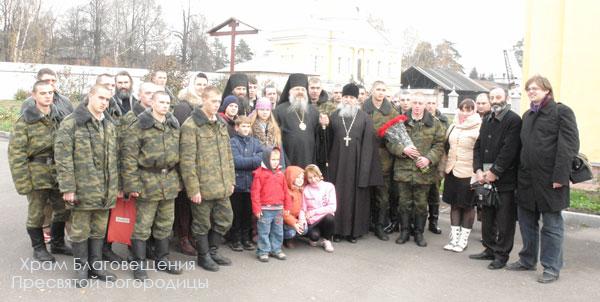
272,126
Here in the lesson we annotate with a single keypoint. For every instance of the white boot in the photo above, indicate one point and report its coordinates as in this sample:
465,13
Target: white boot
454,235
463,241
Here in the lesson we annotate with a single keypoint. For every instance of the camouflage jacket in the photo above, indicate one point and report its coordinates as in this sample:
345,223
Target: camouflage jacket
206,159
125,123
381,116
428,135
30,150
150,157
85,151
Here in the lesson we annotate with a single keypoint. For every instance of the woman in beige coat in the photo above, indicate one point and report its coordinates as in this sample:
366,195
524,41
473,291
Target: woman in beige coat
459,171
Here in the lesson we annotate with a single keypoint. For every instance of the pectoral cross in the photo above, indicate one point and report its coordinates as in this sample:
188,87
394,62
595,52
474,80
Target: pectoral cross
347,139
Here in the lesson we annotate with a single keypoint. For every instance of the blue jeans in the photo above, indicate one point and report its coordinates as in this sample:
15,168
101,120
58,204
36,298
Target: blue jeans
288,232
552,235
270,232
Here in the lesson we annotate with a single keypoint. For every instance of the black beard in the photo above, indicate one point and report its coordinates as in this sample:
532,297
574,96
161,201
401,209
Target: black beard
123,94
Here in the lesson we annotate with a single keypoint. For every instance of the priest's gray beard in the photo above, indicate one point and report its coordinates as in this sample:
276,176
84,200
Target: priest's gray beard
347,110
298,104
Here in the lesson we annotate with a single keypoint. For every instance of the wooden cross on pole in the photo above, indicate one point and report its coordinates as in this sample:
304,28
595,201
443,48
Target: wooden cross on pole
233,23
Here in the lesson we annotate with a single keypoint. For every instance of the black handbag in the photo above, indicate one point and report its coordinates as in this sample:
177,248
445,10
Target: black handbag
486,195
581,169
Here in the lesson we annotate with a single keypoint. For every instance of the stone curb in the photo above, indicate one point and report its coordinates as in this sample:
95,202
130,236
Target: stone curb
581,219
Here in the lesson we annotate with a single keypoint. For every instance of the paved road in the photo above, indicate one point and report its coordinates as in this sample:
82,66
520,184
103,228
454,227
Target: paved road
368,270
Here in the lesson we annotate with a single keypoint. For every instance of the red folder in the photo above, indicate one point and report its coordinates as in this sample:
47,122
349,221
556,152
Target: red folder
122,221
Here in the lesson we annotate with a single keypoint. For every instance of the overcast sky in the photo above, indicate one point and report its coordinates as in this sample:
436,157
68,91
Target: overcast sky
480,29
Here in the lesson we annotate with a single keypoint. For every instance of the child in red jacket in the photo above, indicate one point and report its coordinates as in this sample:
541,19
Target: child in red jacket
269,195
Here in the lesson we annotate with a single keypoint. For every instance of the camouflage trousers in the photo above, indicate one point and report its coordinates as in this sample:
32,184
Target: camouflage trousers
433,196
87,224
38,199
412,196
211,214
153,217
382,200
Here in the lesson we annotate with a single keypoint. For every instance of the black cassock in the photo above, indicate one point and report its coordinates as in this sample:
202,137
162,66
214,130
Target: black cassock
353,169
299,145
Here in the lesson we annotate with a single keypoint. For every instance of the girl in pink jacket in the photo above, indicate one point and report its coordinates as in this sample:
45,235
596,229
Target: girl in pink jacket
318,208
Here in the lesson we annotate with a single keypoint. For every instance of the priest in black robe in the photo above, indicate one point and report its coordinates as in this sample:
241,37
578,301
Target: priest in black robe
237,85
353,165
298,121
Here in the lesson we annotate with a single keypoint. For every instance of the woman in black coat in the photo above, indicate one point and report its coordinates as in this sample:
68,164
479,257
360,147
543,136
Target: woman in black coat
550,142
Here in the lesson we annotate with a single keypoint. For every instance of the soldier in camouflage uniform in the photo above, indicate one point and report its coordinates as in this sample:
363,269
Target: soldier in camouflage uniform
150,158
415,167
85,151
209,176
31,159
381,111
433,198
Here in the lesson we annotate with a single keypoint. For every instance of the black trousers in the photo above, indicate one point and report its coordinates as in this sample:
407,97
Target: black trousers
241,227
183,215
498,226
322,229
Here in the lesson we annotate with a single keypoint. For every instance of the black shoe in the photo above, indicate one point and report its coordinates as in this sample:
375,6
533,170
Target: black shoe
204,259
57,243
138,249
517,266
337,238
403,238
380,233
419,228
420,240
351,239
80,259
248,245
547,278
214,240
162,263
496,264
236,246
434,214
485,255
97,267
108,254
40,253
433,227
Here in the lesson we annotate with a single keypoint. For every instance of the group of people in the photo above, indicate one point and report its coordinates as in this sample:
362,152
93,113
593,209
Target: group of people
262,172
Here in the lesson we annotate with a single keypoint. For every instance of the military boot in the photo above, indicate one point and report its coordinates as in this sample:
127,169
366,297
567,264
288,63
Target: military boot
108,254
150,254
434,214
97,268
204,259
57,243
80,258
404,228
138,249
379,226
162,262
419,228
215,240
40,253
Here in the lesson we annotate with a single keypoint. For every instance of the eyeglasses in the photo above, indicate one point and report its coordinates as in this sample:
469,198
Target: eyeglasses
533,89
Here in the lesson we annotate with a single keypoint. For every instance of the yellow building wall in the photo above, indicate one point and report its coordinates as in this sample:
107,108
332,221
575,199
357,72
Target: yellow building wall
562,43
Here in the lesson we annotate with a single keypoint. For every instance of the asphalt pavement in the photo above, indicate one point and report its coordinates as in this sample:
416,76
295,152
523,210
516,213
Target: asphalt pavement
370,270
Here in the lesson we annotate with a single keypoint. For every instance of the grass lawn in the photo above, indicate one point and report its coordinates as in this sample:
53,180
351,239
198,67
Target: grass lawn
9,112
585,201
